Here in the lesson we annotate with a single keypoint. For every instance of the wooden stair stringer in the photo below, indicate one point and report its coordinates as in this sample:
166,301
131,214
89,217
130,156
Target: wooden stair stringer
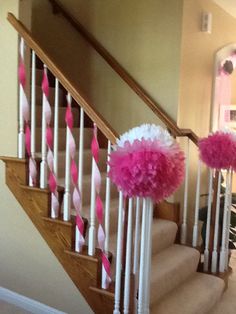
82,269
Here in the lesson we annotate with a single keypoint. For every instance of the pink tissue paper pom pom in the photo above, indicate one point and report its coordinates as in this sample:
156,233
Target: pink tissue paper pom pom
218,150
147,168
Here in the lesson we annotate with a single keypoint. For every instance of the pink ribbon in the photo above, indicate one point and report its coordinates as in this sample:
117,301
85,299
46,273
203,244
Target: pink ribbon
52,180
76,198
26,115
99,208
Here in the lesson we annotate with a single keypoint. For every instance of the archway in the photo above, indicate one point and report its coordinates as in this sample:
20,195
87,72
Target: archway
224,89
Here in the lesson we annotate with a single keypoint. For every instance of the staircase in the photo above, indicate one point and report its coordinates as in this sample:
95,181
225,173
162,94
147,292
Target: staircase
175,285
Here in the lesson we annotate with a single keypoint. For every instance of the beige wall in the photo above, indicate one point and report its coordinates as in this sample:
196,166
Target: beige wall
197,61
197,68
27,265
143,35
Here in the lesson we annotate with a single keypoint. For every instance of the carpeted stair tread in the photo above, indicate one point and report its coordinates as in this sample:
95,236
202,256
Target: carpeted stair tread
87,188
38,91
88,134
163,234
61,116
197,295
170,268
113,214
158,241
87,161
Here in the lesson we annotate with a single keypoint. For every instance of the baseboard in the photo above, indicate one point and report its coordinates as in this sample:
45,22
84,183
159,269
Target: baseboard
25,303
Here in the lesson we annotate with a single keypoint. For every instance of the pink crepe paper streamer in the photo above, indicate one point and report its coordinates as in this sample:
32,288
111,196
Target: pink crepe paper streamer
52,180
218,150
99,208
76,198
26,114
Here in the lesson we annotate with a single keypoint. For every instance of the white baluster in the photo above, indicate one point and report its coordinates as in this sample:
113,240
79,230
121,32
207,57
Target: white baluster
107,201
136,249
107,213
216,231
224,226
228,221
55,140
67,194
55,213
183,236
148,255
80,170
208,226
128,258
33,107
119,256
43,164
92,228
195,227
21,135
142,265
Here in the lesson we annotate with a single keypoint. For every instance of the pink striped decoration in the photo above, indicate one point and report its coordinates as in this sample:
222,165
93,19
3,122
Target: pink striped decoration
26,115
74,175
99,208
52,180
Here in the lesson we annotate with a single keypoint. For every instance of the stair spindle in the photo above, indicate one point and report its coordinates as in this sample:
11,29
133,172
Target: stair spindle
67,193
225,223
216,230
136,249
43,164
80,177
92,227
119,256
208,226
128,258
56,116
21,134
183,235
32,180
228,221
197,202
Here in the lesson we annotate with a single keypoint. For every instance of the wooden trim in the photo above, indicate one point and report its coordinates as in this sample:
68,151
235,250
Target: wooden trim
103,125
117,67
83,270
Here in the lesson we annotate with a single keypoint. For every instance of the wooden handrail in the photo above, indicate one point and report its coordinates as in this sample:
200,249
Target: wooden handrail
103,125
58,7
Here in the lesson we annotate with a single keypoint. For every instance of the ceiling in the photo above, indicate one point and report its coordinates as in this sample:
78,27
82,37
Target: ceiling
228,5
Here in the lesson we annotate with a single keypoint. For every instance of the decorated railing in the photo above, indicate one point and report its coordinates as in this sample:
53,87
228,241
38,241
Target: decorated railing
146,164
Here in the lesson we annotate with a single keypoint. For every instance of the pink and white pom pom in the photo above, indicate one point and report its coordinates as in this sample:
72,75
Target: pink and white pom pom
218,150
147,162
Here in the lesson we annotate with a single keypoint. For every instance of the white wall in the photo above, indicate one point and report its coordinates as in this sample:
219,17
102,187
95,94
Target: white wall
27,265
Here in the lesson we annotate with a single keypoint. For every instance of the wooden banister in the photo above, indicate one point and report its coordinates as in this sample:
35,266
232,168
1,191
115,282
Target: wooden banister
103,125
58,7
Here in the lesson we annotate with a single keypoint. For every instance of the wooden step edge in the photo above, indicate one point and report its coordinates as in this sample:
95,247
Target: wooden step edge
110,292
60,189
13,159
84,254
59,221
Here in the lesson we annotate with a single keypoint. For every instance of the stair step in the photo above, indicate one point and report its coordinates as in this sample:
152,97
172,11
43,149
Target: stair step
113,214
197,295
87,188
38,91
88,134
170,268
160,241
61,116
87,161
163,234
